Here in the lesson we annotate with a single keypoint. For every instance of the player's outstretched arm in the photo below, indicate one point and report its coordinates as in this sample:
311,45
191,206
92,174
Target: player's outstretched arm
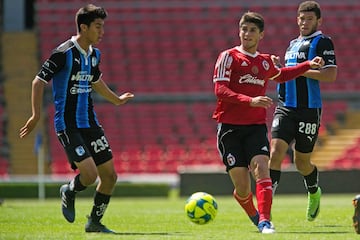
101,88
327,74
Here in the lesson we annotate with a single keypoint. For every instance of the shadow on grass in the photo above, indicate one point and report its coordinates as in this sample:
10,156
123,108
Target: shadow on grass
322,232
146,233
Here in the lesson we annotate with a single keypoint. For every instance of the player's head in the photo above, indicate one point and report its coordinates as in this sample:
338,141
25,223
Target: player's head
309,17
88,14
251,30
253,17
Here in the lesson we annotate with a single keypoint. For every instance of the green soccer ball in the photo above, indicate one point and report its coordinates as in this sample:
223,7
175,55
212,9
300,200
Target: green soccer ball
201,208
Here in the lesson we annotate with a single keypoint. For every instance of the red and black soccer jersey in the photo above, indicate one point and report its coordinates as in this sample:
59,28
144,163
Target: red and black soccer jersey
72,70
246,74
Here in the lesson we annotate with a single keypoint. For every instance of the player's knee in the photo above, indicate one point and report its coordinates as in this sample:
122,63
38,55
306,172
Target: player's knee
110,179
114,178
88,179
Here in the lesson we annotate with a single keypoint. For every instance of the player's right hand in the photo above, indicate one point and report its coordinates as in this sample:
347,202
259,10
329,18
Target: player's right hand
261,101
317,62
28,127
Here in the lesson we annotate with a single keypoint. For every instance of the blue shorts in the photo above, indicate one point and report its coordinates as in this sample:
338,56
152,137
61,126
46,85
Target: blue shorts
82,143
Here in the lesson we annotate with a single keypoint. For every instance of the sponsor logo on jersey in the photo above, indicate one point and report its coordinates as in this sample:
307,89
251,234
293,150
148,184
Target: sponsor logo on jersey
78,90
295,55
82,76
328,52
44,74
248,78
244,64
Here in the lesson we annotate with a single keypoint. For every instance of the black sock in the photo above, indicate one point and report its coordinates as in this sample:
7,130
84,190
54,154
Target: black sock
76,186
275,178
101,202
311,181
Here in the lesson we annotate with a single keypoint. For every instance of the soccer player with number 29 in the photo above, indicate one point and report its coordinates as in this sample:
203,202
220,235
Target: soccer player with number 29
74,68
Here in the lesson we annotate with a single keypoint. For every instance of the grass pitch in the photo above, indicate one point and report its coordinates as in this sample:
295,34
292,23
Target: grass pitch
164,218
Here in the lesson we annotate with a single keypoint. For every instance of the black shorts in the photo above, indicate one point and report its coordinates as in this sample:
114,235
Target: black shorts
301,125
80,144
238,144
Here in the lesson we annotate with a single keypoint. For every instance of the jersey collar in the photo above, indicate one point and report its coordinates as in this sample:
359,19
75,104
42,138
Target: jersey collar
240,49
82,51
311,36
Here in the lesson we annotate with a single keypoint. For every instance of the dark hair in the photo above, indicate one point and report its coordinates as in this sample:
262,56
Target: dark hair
310,6
86,15
253,17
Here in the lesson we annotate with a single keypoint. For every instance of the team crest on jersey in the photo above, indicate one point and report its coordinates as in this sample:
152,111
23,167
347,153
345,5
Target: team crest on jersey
230,159
266,65
80,151
93,61
255,69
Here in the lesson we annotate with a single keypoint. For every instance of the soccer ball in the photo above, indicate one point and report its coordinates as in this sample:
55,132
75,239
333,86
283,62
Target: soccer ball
201,208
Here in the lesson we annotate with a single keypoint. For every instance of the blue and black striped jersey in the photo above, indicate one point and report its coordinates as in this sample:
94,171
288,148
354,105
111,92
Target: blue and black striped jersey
305,92
73,71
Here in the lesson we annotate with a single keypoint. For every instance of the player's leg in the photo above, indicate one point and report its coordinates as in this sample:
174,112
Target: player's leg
103,159
283,129
277,154
311,181
304,144
257,151
104,190
79,157
260,170
231,148
356,216
87,176
240,178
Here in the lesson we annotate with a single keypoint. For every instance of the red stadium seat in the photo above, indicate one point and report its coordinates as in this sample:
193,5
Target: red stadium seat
168,47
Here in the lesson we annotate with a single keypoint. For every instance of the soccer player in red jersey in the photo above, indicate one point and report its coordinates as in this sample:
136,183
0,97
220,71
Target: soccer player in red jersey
241,76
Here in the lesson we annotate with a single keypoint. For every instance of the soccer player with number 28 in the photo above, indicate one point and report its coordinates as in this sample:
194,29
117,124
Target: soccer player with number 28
241,77
74,68
297,117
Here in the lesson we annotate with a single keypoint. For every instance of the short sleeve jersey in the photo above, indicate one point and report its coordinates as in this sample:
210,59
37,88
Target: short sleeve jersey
73,71
246,74
304,92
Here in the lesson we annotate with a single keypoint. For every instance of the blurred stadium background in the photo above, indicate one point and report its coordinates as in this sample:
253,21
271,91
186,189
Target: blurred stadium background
164,51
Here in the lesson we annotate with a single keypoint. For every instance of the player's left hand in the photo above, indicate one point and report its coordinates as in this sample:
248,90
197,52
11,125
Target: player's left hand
125,97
